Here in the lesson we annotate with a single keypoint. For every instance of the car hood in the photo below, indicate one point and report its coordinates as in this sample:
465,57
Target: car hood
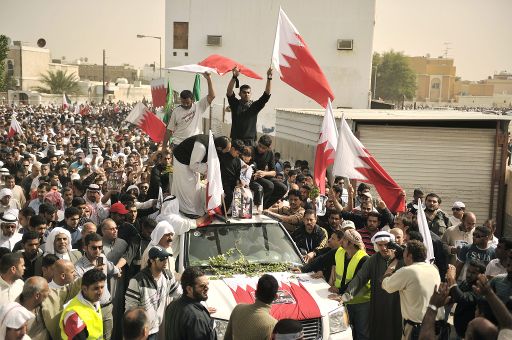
300,297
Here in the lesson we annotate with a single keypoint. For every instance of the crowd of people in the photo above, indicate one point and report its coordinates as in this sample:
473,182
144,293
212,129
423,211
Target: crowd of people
90,210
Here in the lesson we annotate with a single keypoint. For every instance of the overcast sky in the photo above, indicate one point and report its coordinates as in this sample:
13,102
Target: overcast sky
478,32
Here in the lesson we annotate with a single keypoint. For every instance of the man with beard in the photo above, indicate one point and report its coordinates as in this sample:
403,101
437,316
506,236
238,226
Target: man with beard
153,288
31,252
9,233
12,267
187,317
371,228
437,220
186,119
383,325
159,175
310,237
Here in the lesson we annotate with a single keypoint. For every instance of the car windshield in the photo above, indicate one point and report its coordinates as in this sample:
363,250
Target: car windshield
257,242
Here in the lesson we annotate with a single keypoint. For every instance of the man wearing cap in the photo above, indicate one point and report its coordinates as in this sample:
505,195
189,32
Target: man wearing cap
9,225
94,259
385,317
350,257
7,202
14,318
458,210
153,288
456,236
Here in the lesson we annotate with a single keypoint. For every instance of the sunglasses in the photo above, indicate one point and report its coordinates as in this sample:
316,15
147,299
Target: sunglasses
456,209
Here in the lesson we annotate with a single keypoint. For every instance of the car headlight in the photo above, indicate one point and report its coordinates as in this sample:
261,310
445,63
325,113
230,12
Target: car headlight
220,326
337,322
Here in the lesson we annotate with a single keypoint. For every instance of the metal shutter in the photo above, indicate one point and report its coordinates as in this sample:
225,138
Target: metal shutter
455,163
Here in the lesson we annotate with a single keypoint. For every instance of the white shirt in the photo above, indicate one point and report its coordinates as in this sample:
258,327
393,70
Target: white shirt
9,242
9,292
54,285
185,123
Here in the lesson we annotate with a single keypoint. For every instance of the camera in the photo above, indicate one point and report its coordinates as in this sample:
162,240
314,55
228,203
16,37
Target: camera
399,251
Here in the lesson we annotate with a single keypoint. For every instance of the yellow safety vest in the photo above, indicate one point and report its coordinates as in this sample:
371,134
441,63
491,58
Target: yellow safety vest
364,293
92,319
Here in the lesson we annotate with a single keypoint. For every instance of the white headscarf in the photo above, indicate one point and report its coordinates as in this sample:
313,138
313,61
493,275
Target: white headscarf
13,315
50,240
160,230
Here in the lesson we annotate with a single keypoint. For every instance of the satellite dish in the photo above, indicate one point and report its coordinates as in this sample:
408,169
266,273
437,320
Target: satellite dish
41,42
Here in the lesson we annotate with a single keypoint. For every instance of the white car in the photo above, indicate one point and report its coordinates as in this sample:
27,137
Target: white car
261,241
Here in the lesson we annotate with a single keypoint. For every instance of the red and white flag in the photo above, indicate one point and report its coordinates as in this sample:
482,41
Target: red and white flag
326,147
159,92
214,188
66,102
216,64
295,63
15,128
147,121
355,162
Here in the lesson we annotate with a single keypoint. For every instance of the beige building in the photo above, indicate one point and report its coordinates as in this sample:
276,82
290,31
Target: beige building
493,92
26,64
435,79
112,73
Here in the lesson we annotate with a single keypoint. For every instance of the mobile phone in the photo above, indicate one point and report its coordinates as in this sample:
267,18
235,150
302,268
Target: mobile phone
99,261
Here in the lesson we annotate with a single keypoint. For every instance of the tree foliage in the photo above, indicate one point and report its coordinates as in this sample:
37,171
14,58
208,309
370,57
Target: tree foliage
58,82
395,79
4,48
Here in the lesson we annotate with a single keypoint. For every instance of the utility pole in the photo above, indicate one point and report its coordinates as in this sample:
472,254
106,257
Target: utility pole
103,87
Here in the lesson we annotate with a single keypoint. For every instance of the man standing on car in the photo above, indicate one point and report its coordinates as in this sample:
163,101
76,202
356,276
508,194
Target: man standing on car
244,112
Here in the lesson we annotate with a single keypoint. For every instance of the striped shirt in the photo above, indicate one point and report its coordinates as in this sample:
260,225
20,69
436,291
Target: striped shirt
367,240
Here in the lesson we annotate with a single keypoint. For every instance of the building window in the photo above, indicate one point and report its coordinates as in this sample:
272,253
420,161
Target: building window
180,37
10,68
436,85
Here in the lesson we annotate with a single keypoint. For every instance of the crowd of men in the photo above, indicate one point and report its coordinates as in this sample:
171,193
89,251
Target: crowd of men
87,249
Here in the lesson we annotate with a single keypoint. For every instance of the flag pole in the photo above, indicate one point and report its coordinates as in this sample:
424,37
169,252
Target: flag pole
275,35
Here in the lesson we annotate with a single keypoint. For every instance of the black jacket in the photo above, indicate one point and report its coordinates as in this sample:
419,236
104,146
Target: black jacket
310,242
187,319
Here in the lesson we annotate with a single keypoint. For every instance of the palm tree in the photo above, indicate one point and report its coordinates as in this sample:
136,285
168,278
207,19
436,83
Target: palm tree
58,82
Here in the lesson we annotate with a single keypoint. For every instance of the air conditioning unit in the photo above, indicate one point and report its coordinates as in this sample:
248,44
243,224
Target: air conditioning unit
345,44
214,40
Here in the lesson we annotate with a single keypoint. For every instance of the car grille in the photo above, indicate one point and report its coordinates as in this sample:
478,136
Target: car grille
312,328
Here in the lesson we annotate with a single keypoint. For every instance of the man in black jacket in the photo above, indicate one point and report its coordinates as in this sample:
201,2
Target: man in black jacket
187,318
244,111
310,237
230,167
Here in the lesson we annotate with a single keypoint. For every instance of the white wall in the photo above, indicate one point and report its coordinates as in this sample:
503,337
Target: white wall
248,30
